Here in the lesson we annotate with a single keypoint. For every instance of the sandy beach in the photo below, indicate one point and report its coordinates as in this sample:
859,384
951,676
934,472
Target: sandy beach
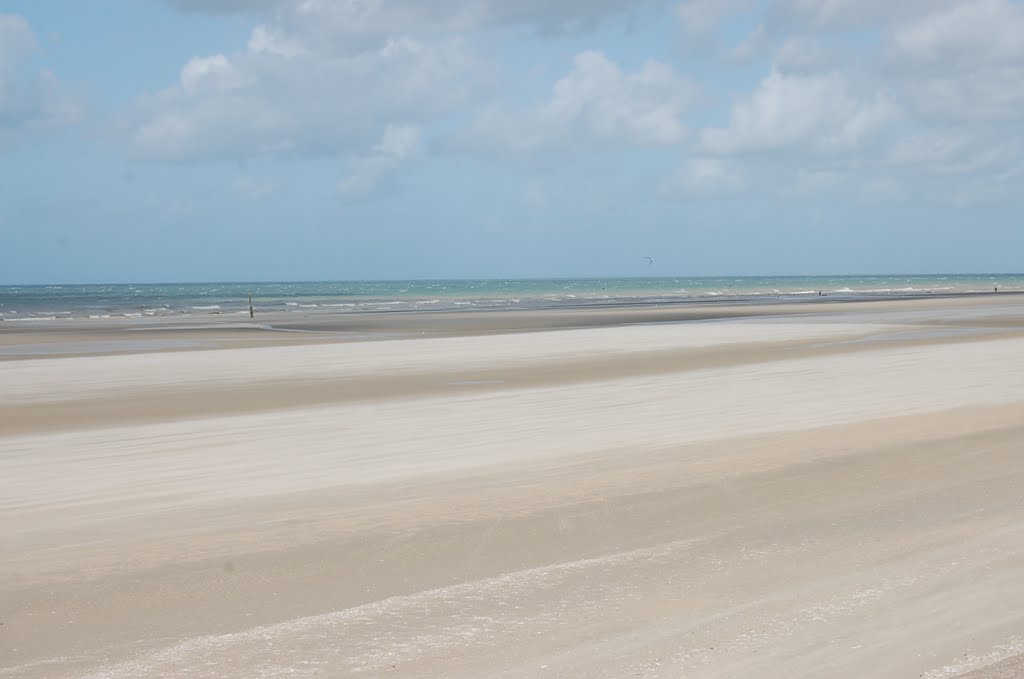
784,490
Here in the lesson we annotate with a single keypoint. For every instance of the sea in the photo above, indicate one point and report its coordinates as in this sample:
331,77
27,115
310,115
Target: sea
56,302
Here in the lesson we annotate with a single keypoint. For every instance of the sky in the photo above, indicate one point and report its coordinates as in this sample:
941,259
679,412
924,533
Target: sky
210,140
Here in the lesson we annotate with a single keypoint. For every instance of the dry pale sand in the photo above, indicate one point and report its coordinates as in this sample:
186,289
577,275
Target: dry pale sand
806,491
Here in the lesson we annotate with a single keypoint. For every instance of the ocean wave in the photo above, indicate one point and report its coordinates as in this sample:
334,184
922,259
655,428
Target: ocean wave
889,291
93,301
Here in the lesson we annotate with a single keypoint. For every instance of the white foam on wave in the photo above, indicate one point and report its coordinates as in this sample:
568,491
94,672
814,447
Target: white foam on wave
205,308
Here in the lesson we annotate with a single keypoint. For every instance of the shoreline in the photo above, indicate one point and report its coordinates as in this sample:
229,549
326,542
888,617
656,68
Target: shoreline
115,336
614,304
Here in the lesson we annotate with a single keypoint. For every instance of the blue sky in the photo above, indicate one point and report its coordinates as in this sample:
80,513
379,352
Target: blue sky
194,140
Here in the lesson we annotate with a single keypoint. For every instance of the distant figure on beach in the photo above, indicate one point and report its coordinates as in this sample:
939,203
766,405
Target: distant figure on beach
995,289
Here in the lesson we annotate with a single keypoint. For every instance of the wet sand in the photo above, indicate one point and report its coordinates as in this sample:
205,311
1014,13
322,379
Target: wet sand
779,491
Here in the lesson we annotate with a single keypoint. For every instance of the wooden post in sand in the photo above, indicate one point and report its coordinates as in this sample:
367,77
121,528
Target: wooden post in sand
250,305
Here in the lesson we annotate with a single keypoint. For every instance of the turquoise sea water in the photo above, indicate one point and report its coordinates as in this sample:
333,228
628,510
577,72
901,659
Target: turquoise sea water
54,302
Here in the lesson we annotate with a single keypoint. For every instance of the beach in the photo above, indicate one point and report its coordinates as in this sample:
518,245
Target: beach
729,490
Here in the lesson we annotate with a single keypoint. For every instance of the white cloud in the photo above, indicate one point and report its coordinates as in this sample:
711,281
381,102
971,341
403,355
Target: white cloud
364,18
596,101
756,43
279,97
398,141
928,149
269,40
29,100
819,113
954,152
224,6
989,95
962,64
367,173
845,15
804,54
327,77
908,88
16,38
706,176
701,18
209,75
967,35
